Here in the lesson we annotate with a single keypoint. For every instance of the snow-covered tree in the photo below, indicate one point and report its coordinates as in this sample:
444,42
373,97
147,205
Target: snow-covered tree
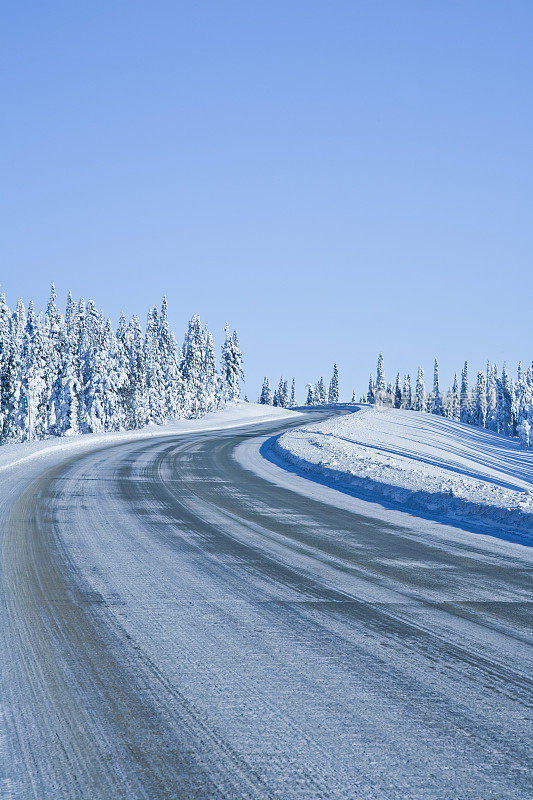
380,375
34,386
420,392
265,398
464,399
504,404
333,394
454,406
407,394
371,394
281,395
397,392
436,399
11,377
380,387
320,392
499,404
232,371
292,401
479,416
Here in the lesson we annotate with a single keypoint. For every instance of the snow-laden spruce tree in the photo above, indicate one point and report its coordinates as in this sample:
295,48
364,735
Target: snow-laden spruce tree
504,414
275,396
492,396
479,415
407,393
70,383
524,390
193,364
371,394
94,370
333,393
154,369
454,406
12,376
281,395
397,392
420,392
34,383
5,355
436,399
380,386
170,376
265,398
525,424
320,392
232,371
464,399
55,332
210,394
292,401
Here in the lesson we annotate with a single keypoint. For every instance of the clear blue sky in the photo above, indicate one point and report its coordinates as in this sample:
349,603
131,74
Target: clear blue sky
334,178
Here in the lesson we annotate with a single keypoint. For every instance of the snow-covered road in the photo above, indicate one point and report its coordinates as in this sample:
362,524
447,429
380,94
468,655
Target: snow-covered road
176,625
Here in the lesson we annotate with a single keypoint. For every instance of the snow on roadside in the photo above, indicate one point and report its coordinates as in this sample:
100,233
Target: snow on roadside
233,415
422,462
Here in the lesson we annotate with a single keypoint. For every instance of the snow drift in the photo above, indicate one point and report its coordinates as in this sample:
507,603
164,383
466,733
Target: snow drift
424,463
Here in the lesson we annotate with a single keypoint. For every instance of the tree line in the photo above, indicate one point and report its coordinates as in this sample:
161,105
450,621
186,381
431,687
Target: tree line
317,394
496,401
68,374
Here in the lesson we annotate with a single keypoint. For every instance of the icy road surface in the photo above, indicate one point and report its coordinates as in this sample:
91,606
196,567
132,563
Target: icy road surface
175,625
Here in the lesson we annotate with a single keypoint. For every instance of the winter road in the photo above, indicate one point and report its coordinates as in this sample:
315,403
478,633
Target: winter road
175,626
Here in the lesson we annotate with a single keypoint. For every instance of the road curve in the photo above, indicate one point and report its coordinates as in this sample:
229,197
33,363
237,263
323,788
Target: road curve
175,627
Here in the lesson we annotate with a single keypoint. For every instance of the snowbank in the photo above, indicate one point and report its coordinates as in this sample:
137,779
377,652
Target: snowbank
234,415
422,462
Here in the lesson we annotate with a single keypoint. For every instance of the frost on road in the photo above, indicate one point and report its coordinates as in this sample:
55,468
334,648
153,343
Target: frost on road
175,625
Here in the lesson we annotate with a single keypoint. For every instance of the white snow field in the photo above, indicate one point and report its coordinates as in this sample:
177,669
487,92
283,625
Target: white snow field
426,464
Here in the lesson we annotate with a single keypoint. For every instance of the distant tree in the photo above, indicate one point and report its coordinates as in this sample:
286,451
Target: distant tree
33,378
436,398
454,402
505,401
320,392
292,401
333,394
407,395
232,371
492,396
464,399
480,408
265,397
420,392
371,396
380,375
397,393
55,344
281,395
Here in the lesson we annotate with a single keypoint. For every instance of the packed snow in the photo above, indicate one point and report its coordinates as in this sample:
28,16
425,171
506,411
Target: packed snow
426,464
